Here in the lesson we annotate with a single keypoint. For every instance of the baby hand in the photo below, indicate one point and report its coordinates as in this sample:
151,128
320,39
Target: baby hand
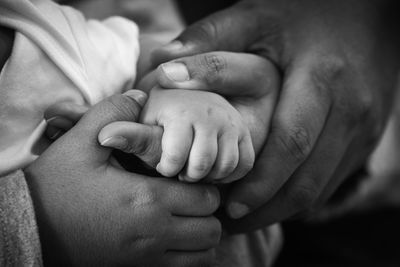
201,136
204,136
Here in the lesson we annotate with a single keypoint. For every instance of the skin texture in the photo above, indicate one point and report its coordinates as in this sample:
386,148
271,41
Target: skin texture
339,62
202,130
93,213
199,131
197,135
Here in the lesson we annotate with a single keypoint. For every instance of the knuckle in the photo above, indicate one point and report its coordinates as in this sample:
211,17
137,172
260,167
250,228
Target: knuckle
330,67
303,197
207,259
327,73
214,66
144,195
138,148
226,168
211,198
359,109
202,165
296,142
174,157
215,231
363,109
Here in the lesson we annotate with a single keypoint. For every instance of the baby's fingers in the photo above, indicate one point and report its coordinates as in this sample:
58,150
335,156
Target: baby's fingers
202,155
176,143
141,140
246,160
227,159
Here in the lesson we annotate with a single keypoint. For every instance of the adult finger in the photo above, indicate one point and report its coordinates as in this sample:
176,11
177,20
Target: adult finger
61,117
189,199
189,259
299,119
125,107
218,32
351,162
308,182
225,73
195,233
67,110
130,137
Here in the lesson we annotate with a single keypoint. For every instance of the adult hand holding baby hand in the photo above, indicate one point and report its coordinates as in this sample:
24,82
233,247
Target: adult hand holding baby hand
339,65
92,213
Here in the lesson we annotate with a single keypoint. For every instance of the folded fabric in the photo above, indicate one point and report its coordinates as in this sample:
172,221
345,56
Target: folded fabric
57,56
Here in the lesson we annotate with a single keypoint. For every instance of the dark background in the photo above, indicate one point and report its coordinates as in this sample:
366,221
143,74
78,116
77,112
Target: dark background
370,240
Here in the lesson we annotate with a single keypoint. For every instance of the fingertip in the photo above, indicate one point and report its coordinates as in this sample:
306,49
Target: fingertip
237,210
173,72
166,169
174,46
167,52
53,133
60,122
139,96
183,177
117,142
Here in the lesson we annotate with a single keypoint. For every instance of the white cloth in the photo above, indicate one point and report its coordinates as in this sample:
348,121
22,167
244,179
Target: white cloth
57,56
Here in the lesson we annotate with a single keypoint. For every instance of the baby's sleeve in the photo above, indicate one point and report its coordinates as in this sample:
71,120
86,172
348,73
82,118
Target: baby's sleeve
58,56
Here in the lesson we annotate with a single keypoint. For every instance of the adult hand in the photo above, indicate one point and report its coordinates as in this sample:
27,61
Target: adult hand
339,65
91,213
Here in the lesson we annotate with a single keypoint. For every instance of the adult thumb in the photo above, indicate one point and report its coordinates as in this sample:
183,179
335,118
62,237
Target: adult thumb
120,107
232,29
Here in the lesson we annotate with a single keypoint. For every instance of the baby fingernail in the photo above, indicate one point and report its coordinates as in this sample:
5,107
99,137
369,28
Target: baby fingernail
173,46
185,178
60,122
138,96
55,135
117,142
237,210
176,72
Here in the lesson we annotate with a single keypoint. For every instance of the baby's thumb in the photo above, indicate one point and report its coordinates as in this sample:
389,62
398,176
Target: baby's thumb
144,141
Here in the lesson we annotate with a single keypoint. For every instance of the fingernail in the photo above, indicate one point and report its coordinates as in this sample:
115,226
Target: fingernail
117,142
138,96
173,46
237,210
60,122
187,179
176,72
55,135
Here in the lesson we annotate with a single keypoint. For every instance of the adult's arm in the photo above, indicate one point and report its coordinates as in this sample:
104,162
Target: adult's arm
339,61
